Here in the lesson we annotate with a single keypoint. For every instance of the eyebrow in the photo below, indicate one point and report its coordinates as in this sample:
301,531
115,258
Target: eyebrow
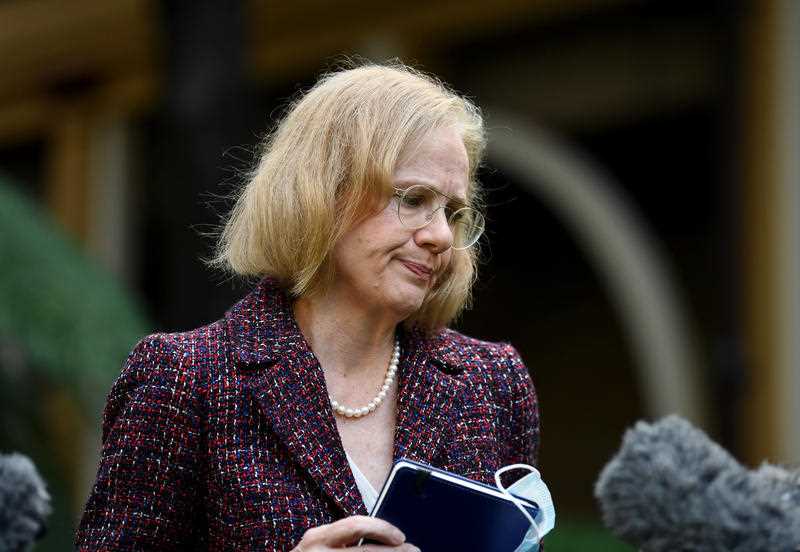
408,182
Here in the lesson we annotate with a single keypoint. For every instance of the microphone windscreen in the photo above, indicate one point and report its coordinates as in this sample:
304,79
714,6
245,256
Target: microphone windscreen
24,503
671,488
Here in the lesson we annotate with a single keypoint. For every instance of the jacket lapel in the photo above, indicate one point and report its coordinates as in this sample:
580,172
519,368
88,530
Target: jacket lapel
429,396
285,379
291,394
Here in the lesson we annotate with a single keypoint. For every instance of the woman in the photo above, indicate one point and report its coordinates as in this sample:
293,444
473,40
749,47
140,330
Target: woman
272,428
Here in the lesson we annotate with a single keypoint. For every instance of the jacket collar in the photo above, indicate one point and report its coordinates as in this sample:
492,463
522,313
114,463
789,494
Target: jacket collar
286,380
263,329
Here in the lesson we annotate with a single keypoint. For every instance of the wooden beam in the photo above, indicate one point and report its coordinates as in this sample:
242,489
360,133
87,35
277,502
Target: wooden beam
46,49
46,43
67,170
761,174
33,117
24,120
293,38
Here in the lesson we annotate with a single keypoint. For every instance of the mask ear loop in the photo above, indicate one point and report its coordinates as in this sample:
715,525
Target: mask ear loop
517,502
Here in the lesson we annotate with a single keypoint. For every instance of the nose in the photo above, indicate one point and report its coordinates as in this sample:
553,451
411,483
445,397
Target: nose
437,236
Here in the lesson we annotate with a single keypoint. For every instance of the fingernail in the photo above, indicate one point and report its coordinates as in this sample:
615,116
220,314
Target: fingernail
400,535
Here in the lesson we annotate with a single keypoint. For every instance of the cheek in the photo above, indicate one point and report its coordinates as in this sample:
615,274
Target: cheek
367,252
383,230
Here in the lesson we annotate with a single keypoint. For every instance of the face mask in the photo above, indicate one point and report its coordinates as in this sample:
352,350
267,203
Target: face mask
530,487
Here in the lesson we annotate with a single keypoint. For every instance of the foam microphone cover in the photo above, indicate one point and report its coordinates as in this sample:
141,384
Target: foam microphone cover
669,487
24,503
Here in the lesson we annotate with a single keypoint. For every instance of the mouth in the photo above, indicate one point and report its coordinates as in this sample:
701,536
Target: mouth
419,270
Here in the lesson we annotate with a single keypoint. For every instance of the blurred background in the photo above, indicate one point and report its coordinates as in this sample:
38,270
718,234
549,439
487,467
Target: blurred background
643,248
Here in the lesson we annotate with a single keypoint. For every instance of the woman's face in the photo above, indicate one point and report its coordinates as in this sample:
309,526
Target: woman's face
384,265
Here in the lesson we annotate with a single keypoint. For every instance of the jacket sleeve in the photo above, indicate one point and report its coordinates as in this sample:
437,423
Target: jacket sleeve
523,413
146,495
523,442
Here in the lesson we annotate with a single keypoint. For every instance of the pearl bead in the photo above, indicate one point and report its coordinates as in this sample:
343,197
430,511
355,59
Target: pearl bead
374,403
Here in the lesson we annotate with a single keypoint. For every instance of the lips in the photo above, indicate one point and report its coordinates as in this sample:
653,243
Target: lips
420,270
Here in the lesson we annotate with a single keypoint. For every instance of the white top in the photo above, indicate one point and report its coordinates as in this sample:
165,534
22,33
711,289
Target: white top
368,493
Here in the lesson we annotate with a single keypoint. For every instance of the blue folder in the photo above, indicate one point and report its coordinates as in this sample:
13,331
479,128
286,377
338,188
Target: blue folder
440,511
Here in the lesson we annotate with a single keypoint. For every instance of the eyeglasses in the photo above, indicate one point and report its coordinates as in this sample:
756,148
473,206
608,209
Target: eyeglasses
418,204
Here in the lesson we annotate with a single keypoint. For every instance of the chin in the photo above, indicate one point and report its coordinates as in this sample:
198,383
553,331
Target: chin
408,299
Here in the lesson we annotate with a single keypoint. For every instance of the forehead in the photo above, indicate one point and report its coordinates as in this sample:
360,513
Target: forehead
438,160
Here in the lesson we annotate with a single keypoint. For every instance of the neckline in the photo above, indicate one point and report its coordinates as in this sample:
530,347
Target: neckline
368,493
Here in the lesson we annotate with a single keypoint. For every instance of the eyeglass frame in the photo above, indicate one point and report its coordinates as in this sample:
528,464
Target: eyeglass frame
399,193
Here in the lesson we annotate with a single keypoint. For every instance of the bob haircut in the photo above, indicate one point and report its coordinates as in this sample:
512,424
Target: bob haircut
329,164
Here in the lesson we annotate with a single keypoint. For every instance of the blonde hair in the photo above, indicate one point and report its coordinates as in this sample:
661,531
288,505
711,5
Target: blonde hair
329,164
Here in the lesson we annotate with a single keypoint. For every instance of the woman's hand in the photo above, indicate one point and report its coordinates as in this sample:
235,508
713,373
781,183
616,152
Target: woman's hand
345,533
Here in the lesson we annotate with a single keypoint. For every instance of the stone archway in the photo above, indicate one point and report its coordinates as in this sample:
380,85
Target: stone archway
622,251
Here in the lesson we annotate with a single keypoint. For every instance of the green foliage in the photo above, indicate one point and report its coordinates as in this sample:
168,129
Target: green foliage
71,318
578,535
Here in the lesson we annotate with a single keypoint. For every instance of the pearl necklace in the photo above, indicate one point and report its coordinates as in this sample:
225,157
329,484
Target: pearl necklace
374,403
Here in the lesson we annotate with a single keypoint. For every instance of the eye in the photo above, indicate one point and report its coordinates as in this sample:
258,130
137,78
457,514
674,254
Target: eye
413,199
462,217
456,216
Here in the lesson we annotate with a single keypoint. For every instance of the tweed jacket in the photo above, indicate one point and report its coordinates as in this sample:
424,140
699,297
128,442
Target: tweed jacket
223,438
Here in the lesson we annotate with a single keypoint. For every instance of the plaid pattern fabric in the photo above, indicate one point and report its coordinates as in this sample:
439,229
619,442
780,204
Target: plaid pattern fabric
222,438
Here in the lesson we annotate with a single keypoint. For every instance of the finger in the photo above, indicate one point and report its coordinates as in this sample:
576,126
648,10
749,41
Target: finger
349,530
405,547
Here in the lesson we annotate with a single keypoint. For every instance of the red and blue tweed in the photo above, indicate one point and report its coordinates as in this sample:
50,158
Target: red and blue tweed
222,438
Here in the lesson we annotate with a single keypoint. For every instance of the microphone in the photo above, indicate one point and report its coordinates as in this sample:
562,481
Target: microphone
670,487
24,503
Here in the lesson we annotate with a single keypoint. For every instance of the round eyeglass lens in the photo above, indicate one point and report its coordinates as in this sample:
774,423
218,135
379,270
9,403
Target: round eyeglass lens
467,225
418,204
